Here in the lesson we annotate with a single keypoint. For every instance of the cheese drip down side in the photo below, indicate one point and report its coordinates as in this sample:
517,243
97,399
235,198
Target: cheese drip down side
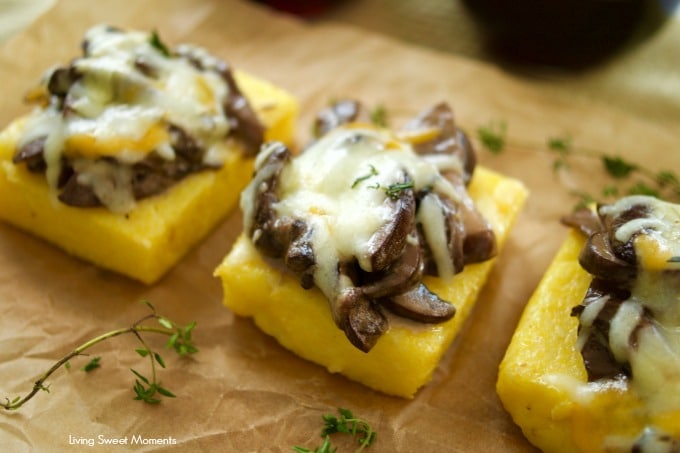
630,320
151,115
359,214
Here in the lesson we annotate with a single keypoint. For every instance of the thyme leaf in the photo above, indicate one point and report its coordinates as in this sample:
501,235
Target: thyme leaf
379,116
493,136
92,364
394,190
157,44
372,173
674,259
617,167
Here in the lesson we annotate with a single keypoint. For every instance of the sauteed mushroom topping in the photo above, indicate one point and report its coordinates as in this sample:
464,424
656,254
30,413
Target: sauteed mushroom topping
629,320
363,214
130,118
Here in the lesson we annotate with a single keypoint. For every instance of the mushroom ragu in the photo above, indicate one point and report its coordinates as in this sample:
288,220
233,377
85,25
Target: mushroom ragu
364,213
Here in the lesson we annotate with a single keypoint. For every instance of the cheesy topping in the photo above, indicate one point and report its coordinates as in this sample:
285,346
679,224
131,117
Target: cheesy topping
326,186
121,101
644,330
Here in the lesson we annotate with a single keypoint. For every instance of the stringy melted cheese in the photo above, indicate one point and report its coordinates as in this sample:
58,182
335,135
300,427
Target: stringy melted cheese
337,187
116,109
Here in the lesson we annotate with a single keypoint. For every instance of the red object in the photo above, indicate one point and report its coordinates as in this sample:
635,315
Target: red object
302,8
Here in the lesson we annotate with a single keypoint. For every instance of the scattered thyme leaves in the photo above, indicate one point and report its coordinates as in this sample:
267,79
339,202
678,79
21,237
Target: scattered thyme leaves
493,136
92,364
157,44
346,423
626,177
372,173
147,389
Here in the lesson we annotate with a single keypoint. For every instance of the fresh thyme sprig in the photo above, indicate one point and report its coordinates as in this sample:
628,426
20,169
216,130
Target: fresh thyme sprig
146,389
347,423
627,178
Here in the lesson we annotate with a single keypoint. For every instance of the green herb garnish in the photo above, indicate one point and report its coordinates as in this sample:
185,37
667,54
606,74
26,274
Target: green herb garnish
379,116
625,176
674,259
91,365
157,44
346,423
394,190
146,389
373,172
493,136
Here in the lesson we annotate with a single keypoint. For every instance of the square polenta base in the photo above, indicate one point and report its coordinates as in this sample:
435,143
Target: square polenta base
542,378
405,357
148,241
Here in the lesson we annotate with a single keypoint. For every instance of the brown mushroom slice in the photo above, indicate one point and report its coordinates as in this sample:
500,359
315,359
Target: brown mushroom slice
340,112
270,234
585,220
420,304
300,254
449,140
362,322
33,154
598,259
75,194
399,276
480,241
388,242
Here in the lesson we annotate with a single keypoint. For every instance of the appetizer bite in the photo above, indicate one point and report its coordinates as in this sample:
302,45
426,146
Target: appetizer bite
135,151
594,364
365,253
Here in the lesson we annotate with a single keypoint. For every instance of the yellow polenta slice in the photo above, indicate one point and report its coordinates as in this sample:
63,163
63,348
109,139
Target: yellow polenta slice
543,382
146,242
405,357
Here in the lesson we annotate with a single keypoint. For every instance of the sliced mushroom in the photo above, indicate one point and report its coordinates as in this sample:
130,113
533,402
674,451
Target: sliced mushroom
399,276
449,140
359,318
32,154
387,244
245,125
598,259
269,233
585,220
340,112
420,304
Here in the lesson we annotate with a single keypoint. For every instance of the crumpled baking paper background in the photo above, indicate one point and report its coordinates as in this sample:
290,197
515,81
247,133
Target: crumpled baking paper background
242,391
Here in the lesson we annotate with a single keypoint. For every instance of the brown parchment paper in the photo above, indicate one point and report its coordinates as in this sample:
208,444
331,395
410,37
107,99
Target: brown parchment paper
242,391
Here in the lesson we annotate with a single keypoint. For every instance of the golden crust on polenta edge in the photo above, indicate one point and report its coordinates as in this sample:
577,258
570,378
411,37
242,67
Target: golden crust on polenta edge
382,315
165,168
594,364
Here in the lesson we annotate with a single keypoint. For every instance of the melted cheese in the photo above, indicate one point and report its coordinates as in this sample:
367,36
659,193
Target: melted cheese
337,187
652,347
118,109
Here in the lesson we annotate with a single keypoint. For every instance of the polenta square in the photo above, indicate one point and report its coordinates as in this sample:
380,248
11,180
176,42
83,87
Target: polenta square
594,363
404,354
136,151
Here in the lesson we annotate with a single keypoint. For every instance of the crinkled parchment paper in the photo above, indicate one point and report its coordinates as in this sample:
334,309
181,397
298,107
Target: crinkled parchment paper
242,391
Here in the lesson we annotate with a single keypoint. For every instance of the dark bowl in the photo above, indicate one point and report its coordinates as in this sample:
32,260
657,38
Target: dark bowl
568,33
